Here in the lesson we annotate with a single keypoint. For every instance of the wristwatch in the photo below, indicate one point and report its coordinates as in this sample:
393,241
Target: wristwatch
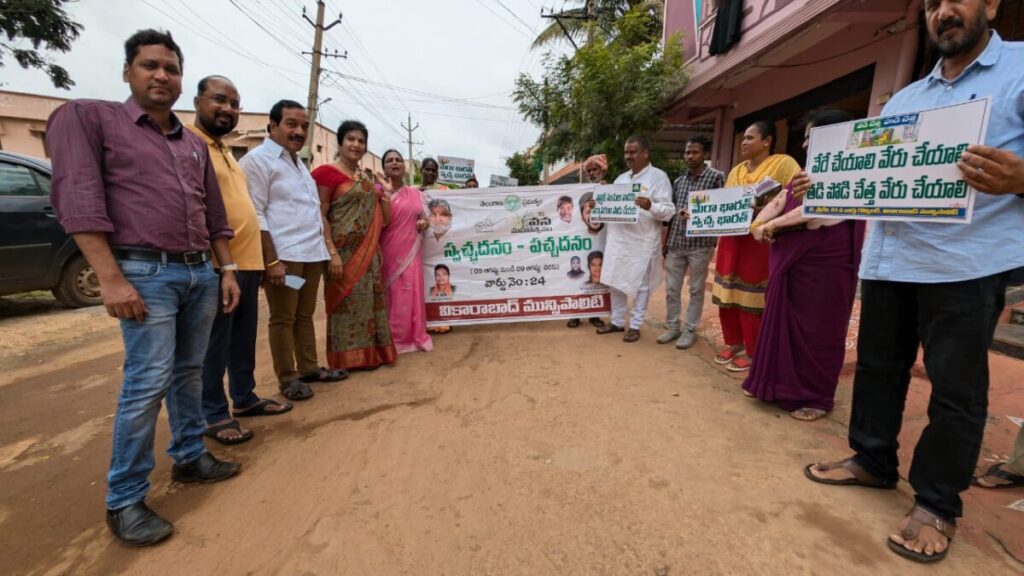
230,267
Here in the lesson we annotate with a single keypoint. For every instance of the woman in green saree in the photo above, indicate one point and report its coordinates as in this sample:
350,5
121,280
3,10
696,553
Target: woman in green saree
355,210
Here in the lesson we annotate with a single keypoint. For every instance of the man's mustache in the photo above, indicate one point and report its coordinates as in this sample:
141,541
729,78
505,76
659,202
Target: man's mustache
949,25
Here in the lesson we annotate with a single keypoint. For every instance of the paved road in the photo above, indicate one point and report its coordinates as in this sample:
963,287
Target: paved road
519,449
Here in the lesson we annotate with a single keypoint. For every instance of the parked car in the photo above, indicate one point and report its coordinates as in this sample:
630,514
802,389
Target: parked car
35,252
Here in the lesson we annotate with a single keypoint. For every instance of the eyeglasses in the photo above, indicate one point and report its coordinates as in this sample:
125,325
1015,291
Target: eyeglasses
223,101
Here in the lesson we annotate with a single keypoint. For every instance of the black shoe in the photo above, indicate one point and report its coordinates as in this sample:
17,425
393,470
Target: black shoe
204,469
137,525
610,328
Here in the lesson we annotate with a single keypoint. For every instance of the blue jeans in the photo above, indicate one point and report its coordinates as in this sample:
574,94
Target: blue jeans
233,347
163,359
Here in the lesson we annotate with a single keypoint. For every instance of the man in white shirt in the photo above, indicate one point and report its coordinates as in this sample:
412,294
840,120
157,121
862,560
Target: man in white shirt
291,229
632,256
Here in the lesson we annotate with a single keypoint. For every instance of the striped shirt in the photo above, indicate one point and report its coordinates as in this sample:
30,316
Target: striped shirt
709,179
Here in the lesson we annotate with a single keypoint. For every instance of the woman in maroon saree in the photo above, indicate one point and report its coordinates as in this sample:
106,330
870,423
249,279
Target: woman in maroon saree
355,212
813,281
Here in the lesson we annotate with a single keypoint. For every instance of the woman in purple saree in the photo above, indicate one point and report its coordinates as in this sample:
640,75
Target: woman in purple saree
812,284
403,261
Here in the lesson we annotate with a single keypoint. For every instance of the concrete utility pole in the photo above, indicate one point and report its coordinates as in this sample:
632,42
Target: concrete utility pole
312,103
588,12
544,159
408,140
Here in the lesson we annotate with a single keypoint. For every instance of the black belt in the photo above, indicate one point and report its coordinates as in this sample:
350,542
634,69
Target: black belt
188,258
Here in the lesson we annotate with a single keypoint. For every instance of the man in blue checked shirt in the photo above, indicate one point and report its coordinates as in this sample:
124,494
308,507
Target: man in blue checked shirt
940,286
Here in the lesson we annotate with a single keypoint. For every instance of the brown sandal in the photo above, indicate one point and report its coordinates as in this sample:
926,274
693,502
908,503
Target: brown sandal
920,517
861,477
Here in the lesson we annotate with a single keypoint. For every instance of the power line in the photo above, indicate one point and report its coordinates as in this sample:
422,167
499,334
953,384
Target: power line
516,16
246,54
289,20
499,17
451,99
269,33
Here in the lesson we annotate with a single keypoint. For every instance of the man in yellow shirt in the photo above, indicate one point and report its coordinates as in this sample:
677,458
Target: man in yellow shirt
233,338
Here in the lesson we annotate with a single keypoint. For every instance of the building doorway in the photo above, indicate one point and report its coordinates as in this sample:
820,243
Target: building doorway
851,93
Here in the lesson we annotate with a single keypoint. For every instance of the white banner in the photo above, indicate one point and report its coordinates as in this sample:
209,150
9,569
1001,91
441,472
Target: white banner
720,212
513,254
454,170
896,167
503,181
616,203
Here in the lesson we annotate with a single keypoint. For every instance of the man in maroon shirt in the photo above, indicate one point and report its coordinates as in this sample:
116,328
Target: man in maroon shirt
139,195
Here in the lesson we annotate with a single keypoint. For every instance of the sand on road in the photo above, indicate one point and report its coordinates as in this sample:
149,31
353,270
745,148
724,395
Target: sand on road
521,449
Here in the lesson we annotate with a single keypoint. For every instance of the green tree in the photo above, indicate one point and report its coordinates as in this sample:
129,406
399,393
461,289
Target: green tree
598,19
29,25
521,166
608,90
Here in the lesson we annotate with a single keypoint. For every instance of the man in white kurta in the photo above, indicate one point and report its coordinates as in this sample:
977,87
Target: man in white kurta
632,257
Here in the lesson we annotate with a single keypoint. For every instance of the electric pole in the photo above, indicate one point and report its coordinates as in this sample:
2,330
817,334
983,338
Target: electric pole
588,13
312,103
544,159
408,140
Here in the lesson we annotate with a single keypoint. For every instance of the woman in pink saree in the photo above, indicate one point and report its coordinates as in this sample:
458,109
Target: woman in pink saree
403,260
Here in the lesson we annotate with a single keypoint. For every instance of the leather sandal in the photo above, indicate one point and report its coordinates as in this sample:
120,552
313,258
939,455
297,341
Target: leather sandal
920,517
296,390
213,432
609,328
324,375
861,477
998,470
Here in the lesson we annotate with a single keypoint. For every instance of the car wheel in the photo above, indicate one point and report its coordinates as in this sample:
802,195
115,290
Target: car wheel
79,286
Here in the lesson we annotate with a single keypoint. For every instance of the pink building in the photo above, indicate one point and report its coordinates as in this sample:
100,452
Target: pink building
788,57
23,129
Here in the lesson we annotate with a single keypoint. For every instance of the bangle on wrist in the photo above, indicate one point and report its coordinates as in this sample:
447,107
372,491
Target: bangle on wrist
332,251
756,224
269,264
229,267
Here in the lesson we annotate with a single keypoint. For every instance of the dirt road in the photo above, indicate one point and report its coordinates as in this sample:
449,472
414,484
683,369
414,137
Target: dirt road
521,449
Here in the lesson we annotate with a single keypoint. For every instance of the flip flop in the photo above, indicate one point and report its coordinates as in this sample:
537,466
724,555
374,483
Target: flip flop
212,432
324,375
861,477
574,323
296,390
919,517
260,409
596,322
997,470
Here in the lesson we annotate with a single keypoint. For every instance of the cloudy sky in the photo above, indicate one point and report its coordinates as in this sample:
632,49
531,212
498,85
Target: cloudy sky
450,63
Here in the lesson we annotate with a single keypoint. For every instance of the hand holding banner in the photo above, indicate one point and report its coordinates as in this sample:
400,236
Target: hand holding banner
505,255
721,212
896,167
616,203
